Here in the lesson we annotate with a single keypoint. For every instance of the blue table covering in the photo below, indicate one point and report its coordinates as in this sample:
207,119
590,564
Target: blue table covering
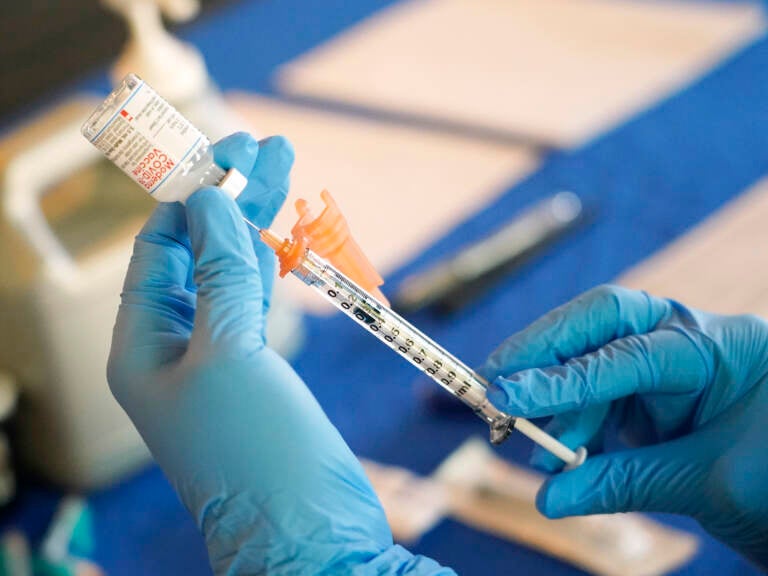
648,181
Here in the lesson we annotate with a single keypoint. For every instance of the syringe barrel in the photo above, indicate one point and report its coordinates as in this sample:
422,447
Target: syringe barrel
405,339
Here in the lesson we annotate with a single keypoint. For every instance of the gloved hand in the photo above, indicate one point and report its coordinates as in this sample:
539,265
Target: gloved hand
688,391
269,480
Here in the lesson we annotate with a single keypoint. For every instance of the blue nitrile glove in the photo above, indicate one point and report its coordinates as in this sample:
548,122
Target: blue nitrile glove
269,480
687,389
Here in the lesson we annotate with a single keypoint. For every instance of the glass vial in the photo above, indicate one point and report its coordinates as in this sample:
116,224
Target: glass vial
153,143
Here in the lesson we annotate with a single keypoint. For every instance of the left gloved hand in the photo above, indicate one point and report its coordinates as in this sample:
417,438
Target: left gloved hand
268,479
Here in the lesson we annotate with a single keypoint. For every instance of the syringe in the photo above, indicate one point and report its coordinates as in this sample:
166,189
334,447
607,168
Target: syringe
378,319
157,147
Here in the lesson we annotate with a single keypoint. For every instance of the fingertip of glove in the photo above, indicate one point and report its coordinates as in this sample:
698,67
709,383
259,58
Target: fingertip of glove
542,500
547,500
239,150
497,395
280,146
250,143
239,140
505,394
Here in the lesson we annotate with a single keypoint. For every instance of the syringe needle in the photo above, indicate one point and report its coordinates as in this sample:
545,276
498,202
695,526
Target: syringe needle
267,236
251,224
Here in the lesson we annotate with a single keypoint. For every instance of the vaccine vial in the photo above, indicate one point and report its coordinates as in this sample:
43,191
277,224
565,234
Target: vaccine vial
155,145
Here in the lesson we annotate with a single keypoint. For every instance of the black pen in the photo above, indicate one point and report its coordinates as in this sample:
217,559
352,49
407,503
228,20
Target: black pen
451,284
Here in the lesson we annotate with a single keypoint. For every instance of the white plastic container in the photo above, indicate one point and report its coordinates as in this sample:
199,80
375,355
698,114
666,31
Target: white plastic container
59,293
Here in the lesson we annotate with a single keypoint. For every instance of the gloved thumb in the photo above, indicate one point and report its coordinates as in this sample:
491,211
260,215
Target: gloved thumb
661,478
229,289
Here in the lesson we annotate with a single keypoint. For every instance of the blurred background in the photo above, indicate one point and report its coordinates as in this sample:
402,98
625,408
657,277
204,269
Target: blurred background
602,140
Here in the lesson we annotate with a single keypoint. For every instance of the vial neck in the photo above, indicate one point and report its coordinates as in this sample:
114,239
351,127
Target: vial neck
213,175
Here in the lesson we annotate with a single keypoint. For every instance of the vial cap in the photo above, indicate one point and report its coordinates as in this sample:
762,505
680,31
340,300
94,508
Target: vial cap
233,183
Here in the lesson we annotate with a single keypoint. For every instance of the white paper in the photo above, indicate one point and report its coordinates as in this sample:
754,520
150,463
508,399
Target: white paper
720,266
559,70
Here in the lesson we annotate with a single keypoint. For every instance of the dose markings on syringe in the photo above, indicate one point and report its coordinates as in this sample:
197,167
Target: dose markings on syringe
403,339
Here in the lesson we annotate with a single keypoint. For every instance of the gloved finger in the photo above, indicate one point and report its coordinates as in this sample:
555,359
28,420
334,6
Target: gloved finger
664,361
239,150
229,296
574,429
157,305
661,478
268,181
267,164
263,199
583,325
267,265
166,229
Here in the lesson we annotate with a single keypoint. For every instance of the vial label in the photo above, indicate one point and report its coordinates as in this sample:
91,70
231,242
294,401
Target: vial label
147,138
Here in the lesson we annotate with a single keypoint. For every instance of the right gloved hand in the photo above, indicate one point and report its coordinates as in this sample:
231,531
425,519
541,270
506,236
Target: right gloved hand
688,391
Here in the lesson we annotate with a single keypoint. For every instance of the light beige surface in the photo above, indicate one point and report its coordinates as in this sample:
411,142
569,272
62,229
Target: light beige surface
558,69
476,487
720,266
399,188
